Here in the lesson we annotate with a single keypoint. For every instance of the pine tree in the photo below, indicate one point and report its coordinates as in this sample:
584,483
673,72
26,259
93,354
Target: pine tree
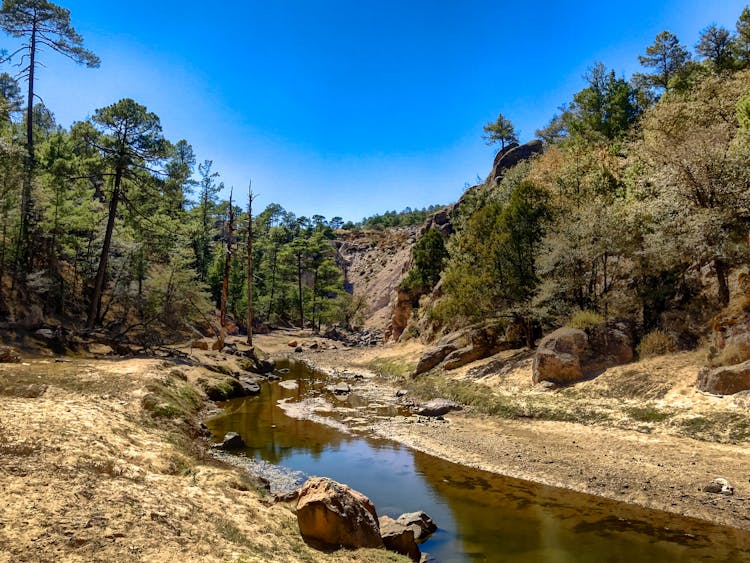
500,131
666,56
43,25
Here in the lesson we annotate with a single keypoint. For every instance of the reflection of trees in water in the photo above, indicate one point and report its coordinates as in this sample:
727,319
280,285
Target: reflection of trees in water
525,521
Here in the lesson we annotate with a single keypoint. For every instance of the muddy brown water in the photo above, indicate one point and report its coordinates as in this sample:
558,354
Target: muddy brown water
481,516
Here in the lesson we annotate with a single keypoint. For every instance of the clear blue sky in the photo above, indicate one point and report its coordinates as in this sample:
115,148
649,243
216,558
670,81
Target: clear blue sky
343,107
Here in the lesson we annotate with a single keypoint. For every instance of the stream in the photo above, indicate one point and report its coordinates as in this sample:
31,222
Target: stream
481,516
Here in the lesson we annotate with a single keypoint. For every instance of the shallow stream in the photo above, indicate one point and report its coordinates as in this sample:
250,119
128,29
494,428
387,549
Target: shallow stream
481,516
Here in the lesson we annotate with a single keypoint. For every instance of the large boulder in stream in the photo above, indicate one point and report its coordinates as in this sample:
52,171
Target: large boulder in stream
334,514
438,407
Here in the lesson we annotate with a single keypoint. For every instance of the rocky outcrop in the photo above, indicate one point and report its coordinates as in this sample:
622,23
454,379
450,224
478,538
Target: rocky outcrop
468,345
725,380
568,354
336,515
402,309
512,155
399,537
9,355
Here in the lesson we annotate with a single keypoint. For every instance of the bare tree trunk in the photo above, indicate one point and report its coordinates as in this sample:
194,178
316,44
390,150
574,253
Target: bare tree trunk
225,280
96,297
250,266
722,274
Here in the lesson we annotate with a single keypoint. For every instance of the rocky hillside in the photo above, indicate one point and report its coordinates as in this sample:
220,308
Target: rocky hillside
374,263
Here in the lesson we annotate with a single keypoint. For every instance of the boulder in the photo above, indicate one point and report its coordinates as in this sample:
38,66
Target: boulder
432,357
399,538
420,523
45,333
231,441
9,355
292,343
569,354
726,380
341,389
512,155
199,345
438,407
464,356
558,357
719,486
336,515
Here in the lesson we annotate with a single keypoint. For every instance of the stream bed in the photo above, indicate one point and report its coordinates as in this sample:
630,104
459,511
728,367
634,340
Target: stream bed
481,516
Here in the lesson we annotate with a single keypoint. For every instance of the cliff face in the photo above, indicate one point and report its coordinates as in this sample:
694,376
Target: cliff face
374,263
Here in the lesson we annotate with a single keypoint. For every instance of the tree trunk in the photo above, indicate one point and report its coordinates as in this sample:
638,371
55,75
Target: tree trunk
23,253
722,275
225,279
250,267
299,286
101,273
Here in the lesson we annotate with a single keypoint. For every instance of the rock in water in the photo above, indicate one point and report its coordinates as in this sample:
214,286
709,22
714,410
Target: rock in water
420,523
334,514
399,537
231,441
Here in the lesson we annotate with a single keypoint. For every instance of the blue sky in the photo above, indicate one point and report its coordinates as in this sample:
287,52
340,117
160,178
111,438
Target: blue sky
349,108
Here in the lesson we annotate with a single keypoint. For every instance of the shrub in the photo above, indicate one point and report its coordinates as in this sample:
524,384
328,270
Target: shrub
656,343
585,320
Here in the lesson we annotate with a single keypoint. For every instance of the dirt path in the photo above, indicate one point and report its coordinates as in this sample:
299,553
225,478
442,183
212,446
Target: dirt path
651,468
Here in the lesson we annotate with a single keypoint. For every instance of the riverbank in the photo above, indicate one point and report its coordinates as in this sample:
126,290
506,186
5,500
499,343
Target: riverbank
100,461
622,453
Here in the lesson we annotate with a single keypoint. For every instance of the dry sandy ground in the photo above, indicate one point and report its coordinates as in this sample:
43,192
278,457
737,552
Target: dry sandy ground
86,474
635,461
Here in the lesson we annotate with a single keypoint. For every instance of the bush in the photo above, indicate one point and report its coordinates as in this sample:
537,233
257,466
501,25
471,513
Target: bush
585,320
656,343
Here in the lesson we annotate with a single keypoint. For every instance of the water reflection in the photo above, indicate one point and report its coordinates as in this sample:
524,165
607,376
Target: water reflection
482,516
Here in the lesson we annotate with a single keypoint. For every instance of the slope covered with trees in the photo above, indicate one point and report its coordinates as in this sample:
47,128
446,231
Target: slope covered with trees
637,210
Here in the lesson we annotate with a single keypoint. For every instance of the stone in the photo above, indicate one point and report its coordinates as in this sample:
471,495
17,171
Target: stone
719,486
289,384
342,389
438,407
9,355
568,355
292,344
249,387
298,349
557,358
231,441
45,333
432,357
399,538
199,345
726,380
402,393
333,514
422,525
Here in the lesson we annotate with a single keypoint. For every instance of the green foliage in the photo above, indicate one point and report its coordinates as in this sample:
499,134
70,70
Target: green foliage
407,218
585,320
715,46
428,257
500,131
656,343
667,57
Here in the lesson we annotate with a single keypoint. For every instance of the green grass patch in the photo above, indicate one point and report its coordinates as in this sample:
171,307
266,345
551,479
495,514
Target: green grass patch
171,397
647,413
392,368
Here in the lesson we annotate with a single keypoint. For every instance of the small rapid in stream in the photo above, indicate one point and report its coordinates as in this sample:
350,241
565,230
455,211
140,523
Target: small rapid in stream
481,516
